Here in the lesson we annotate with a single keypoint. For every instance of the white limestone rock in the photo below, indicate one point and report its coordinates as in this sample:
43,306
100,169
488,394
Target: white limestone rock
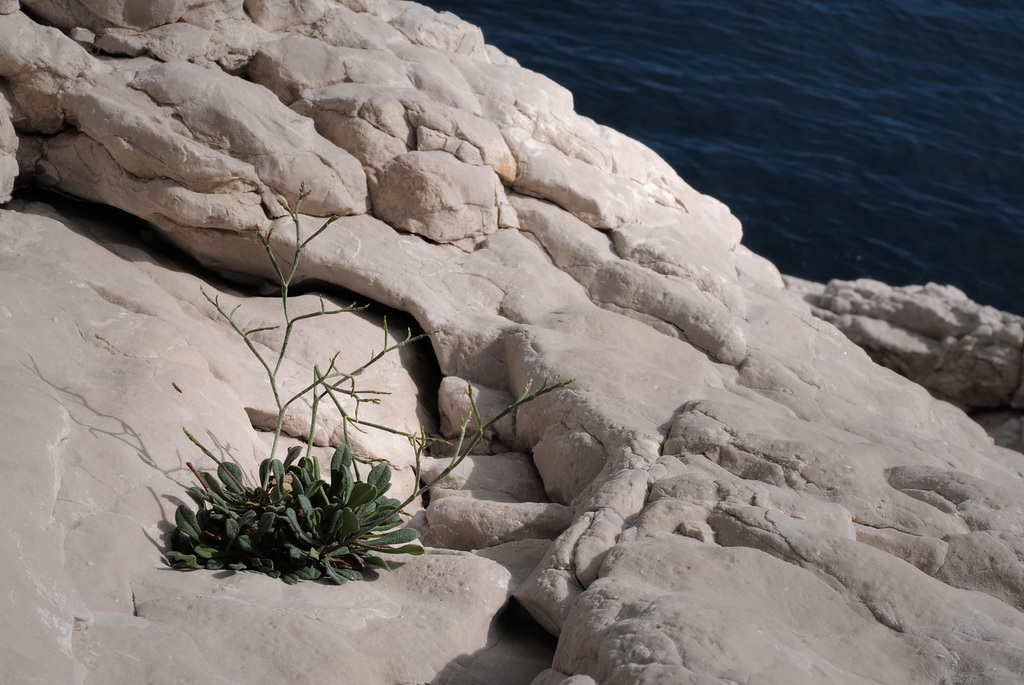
509,477
727,474
595,197
39,63
292,64
8,151
134,14
274,16
468,524
934,335
674,305
379,116
98,410
256,128
454,202
1006,426
659,588
423,26
456,409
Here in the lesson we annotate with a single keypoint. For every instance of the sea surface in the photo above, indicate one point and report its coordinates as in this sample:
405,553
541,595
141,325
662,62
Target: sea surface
880,139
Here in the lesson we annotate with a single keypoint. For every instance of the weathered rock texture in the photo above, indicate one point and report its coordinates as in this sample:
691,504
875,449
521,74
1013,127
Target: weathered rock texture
730,491
961,351
935,335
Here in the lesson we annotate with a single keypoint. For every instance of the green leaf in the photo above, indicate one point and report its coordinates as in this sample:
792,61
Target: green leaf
371,560
293,454
247,519
316,488
350,525
265,472
213,484
237,566
342,575
297,556
350,573
361,494
380,477
277,468
290,578
334,527
333,574
395,537
341,461
184,562
214,564
308,573
263,565
308,468
307,509
198,496
265,525
226,471
414,550
245,544
187,523
206,551
345,490
231,529
293,522
297,486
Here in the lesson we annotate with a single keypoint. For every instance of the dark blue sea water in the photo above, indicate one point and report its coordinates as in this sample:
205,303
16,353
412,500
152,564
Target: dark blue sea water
853,138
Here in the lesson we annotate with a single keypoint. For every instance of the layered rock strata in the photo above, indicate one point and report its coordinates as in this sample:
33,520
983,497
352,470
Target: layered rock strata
731,490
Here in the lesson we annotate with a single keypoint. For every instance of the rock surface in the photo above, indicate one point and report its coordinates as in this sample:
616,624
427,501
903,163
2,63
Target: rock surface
8,151
962,352
935,335
730,491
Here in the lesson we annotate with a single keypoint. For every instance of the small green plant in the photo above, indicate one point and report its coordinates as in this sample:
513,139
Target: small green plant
292,524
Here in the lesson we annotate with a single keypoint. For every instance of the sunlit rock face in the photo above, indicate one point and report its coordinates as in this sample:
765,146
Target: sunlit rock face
730,489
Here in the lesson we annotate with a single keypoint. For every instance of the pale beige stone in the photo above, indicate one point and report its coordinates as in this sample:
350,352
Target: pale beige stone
8,151
508,477
597,198
222,109
468,524
454,201
39,63
935,335
456,409
132,328
423,26
295,63
274,16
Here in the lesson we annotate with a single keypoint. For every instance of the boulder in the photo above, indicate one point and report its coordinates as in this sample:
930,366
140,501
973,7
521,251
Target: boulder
934,335
468,524
453,202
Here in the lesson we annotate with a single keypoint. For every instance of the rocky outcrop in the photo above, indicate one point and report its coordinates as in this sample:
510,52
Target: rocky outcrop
731,490
962,352
935,335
